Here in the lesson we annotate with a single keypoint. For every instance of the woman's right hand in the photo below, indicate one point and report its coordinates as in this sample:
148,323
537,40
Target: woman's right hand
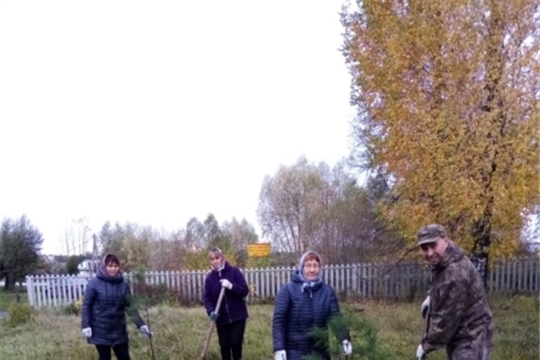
280,355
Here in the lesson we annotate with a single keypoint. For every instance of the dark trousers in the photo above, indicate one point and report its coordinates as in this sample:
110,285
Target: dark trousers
231,338
121,351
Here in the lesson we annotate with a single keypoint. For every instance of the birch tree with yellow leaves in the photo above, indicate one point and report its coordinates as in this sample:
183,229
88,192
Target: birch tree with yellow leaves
447,97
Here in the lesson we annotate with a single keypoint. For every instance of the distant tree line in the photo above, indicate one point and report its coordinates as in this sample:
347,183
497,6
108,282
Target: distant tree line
303,206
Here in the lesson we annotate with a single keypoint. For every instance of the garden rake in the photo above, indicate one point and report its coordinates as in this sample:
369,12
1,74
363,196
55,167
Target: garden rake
211,327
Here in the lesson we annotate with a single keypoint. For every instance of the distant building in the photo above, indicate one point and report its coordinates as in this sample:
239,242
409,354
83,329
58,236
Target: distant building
88,268
48,259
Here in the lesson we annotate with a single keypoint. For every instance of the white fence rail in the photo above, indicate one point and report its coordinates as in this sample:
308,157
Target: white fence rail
364,280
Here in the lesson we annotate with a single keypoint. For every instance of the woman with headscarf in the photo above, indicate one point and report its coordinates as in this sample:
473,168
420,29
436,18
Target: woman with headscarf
231,317
302,304
107,297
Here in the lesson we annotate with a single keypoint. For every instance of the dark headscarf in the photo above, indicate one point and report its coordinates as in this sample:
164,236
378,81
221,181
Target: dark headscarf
102,272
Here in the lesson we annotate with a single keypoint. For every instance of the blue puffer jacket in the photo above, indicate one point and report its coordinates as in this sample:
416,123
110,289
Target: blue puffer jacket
301,306
106,300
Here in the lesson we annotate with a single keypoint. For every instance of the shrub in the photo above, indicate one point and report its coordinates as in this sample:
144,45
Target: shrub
69,309
78,305
19,314
73,308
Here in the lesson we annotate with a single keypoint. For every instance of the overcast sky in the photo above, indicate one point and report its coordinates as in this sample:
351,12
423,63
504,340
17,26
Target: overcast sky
155,112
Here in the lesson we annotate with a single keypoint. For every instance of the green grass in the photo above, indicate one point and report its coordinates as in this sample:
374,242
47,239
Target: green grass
8,296
516,320
179,333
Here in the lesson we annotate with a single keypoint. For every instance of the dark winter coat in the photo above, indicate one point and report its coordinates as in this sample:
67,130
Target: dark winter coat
106,300
300,307
233,306
460,317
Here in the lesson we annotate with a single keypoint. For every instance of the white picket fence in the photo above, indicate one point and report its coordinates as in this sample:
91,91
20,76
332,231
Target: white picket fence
364,280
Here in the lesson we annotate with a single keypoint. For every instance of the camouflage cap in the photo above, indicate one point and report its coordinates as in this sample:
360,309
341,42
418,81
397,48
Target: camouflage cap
430,233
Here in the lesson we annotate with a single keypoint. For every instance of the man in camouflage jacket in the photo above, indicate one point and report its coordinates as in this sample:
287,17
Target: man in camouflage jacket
458,314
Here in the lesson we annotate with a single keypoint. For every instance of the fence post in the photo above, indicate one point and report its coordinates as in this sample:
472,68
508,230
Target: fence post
30,290
354,279
536,271
38,289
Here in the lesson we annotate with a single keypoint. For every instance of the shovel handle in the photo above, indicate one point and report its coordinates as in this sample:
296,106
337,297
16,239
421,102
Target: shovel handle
425,329
212,324
426,326
220,299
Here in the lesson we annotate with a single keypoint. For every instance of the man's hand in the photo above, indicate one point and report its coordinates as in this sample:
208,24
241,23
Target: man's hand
347,347
280,355
420,354
145,331
213,315
425,307
226,284
87,332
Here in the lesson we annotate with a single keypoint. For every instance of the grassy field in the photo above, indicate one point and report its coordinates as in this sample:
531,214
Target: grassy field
7,296
179,333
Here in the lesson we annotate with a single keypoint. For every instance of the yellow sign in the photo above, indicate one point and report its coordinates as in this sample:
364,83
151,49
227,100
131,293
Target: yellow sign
258,249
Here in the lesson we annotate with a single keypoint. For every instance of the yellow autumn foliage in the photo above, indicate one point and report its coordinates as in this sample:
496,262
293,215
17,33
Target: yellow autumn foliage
447,98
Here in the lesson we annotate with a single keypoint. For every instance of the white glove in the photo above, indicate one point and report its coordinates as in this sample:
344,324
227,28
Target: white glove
420,353
347,347
280,355
424,309
87,332
145,331
226,284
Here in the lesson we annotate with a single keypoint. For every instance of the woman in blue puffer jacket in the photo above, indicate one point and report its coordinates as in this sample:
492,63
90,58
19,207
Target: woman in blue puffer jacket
302,304
107,297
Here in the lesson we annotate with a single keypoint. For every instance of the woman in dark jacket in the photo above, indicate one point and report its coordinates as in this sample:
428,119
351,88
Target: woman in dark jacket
231,317
302,304
106,299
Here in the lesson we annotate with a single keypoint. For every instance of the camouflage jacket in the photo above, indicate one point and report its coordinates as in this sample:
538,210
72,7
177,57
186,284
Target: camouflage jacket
459,311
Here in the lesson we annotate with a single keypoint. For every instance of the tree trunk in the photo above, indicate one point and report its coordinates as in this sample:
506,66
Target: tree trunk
480,254
494,104
480,260
10,283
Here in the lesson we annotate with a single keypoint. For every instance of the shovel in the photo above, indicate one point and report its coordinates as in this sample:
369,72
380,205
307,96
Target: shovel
425,330
211,327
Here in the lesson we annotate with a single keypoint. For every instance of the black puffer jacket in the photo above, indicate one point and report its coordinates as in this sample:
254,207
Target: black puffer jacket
298,310
106,300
